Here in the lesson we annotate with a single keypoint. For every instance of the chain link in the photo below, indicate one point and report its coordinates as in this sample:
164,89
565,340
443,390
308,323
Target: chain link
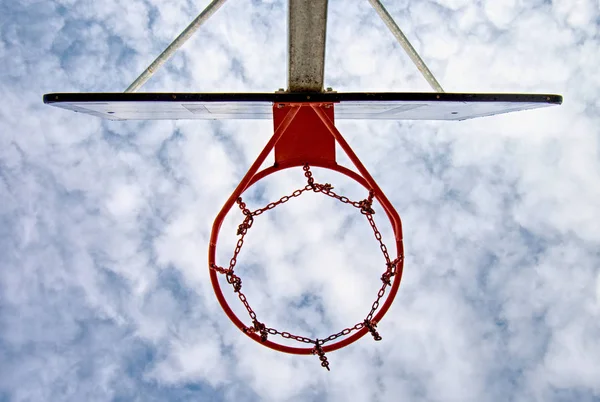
287,335
235,281
318,350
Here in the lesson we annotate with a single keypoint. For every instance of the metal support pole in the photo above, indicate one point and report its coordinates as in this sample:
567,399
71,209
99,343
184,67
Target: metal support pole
307,26
176,44
403,40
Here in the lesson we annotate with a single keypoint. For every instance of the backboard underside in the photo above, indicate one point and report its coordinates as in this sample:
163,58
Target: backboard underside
372,106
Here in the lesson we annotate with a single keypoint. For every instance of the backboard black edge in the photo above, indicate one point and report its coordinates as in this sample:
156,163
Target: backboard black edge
93,97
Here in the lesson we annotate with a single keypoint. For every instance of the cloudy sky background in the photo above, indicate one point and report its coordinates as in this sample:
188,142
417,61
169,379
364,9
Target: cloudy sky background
104,226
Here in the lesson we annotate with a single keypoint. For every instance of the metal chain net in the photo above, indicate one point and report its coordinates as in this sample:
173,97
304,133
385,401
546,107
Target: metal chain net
235,281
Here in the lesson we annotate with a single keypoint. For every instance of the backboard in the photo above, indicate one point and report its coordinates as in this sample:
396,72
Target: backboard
372,106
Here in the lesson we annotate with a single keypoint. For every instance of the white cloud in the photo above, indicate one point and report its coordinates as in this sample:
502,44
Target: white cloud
104,226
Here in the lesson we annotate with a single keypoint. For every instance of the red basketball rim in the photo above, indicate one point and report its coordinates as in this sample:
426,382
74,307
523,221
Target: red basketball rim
394,220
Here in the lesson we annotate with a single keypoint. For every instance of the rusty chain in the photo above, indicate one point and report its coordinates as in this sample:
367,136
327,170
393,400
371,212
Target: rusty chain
235,281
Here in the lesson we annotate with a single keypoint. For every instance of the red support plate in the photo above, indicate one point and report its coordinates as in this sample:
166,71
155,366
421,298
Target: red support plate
307,140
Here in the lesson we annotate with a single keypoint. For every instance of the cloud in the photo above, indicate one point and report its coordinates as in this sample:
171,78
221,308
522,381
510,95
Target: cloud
104,226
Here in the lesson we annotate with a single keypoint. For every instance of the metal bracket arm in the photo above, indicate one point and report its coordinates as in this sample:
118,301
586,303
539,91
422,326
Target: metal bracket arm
176,44
404,42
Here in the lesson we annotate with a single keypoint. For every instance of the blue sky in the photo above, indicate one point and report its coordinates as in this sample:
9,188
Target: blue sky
104,289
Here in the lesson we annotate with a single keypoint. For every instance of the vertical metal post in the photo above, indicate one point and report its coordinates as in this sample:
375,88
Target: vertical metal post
176,44
404,42
307,25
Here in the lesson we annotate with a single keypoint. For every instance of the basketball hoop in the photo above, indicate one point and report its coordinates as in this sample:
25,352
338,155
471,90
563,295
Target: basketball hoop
305,136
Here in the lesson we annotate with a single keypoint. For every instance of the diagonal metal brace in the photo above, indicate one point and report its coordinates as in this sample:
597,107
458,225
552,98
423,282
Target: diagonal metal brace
176,44
405,43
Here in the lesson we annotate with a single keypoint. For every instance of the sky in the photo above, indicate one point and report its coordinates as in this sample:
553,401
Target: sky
104,226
